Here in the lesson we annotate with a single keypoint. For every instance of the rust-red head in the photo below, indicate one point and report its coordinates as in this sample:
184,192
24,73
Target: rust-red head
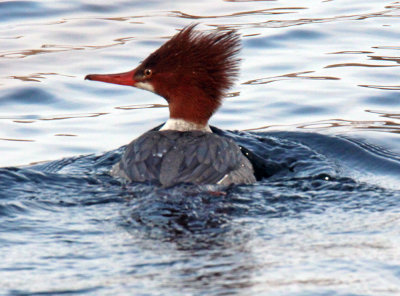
192,71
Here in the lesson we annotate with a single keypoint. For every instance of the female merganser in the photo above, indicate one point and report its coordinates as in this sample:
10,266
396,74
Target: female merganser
192,71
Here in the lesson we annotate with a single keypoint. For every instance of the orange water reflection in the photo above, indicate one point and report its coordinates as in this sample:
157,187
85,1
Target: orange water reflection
270,11
16,140
142,106
344,125
383,87
299,75
357,65
54,117
37,77
52,48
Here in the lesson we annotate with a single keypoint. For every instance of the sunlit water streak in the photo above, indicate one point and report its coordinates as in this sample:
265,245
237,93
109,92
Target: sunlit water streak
326,223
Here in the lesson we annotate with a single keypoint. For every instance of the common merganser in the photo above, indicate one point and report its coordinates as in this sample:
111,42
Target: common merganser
192,71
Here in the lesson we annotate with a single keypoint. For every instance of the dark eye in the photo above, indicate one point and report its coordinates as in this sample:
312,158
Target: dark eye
147,73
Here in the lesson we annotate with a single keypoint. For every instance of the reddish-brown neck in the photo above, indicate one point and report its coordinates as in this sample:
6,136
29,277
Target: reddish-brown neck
187,100
195,109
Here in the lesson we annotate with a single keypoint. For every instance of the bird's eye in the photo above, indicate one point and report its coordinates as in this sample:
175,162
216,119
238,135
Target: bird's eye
148,73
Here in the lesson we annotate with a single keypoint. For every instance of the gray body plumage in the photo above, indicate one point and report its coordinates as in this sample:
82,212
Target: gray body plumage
172,157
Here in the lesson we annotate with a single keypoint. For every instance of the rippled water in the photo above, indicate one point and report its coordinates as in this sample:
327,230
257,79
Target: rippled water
319,92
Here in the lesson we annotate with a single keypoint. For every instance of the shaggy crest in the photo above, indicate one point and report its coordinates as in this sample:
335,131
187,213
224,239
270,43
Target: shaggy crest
193,63
207,60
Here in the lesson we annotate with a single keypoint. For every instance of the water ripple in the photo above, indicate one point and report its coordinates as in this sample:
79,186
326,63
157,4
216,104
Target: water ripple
290,75
325,220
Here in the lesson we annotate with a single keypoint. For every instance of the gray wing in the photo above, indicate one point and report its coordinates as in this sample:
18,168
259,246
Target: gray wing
171,157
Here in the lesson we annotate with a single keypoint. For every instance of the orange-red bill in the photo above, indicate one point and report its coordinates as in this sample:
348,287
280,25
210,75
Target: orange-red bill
125,78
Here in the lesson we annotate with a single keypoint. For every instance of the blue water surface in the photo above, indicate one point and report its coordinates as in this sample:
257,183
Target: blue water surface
318,100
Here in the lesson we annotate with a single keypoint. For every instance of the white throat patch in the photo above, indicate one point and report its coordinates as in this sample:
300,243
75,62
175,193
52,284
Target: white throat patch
145,85
184,126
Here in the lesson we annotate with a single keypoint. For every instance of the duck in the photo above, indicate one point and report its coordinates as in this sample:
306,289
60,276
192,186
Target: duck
192,71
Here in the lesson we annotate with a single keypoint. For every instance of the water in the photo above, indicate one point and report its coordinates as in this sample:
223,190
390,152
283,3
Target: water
318,94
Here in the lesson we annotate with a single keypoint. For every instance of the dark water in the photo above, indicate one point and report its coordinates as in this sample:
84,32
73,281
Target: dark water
310,229
319,92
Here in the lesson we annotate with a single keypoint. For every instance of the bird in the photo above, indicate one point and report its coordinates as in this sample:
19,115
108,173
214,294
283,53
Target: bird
192,71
